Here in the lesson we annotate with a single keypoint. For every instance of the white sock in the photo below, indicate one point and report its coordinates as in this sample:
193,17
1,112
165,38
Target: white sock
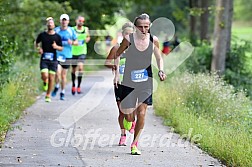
57,85
63,91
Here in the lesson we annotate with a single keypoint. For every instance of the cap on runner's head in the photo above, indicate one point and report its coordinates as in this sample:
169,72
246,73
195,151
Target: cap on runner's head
49,18
64,16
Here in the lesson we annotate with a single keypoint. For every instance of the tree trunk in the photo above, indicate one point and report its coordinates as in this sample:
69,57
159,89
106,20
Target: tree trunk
193,22
222,33
229,25
204,21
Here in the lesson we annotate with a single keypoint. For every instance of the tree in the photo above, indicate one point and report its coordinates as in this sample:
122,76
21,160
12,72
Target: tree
23,25
193,5
204,21
222,33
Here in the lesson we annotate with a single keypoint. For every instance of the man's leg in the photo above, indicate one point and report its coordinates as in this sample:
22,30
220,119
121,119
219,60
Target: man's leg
129,114
73,76
63,82
80,73
57,80
141,112
44,77
122,141
50,86
63,79
128,118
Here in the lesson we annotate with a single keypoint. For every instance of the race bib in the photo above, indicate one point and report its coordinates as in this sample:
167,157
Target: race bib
61,58
81,42
139,75
47,56
121,69
65,42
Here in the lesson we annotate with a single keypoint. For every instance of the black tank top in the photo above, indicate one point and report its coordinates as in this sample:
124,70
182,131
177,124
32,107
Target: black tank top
138,70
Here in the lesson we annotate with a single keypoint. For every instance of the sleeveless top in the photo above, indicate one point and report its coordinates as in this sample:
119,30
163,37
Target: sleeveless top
82,45
138,70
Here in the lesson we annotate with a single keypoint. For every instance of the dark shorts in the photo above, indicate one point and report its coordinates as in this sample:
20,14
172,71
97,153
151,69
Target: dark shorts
118,92
78,59
49,66
130,96
66,64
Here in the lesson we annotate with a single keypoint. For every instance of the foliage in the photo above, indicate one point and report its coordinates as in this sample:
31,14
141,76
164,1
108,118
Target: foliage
217,114
7,48
200,60
242,10
238,65
28,20
173,10
97,13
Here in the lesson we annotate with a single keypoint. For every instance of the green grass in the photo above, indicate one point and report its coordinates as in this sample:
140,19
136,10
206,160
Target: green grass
242,30
18,93
213,110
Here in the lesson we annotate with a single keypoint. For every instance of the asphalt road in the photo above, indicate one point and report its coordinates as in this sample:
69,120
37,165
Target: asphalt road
83,131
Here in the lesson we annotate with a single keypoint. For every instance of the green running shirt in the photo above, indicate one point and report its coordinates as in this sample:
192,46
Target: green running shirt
82,45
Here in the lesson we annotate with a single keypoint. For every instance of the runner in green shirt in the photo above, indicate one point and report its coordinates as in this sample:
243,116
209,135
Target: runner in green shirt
79,52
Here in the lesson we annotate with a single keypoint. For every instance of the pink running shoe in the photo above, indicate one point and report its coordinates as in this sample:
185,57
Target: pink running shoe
122,141
132,129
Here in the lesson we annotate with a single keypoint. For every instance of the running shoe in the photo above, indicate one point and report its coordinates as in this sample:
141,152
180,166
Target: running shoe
122,141
127,125
132,129
48,99
73,90
62,96
55,91
78,90
135,151
45,86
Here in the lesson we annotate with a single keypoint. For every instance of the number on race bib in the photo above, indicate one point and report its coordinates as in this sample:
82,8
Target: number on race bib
121,69
139,75
81,42
47,56
61,58
64,42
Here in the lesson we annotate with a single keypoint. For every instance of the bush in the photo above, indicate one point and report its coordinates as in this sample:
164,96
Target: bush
7,48
239,65
200,60
221,115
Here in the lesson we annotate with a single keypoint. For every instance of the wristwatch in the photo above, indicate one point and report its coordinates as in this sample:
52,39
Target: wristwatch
160,71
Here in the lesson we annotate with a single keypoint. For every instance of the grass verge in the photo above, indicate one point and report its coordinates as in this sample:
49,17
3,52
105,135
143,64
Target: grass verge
18,93
220,118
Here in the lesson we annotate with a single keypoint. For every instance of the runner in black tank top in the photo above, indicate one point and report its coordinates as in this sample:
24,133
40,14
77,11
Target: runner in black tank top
138,70
137,81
